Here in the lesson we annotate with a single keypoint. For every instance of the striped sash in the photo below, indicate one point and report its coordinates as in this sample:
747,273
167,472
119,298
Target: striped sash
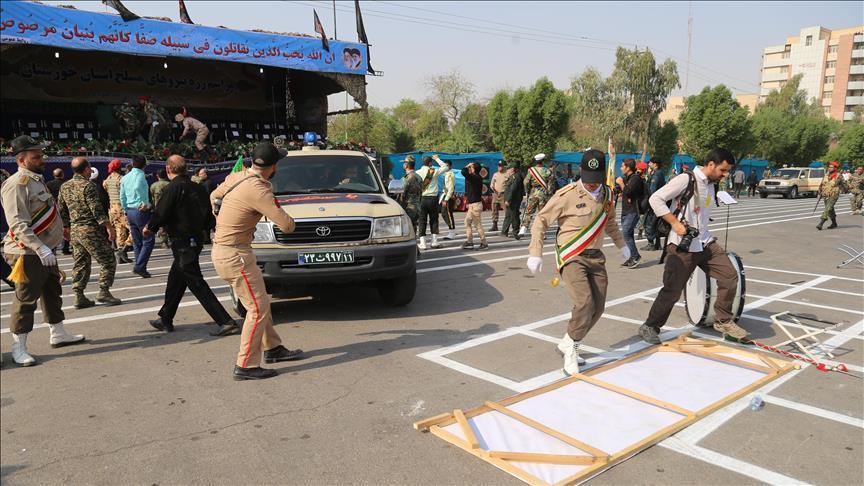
42,220
565,253
535,174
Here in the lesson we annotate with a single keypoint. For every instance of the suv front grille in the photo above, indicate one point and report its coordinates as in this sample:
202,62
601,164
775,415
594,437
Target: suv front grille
340,231
772,183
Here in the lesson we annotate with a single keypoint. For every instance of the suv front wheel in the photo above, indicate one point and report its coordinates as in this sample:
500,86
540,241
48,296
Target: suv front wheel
399,291
793,193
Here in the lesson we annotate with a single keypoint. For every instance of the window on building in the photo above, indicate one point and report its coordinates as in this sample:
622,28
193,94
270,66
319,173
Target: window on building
826,109
832,49
830,64
857,46
829,79
808,41
827,95
786,54
784,69
856,77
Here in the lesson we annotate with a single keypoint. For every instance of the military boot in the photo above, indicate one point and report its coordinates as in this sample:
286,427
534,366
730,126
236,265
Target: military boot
105,297
82,302
821,224
833,223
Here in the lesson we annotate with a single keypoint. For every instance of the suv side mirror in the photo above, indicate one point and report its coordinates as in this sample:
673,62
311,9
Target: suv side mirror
395,186
803,176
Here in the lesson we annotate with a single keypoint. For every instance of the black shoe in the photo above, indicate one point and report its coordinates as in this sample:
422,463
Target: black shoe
162,325
833,224
281,353
467,246
635,262
649,334
821,224
483,246
256,373
225,329
67,252
648,247
142,273
516,237
505,234
493,228
628,262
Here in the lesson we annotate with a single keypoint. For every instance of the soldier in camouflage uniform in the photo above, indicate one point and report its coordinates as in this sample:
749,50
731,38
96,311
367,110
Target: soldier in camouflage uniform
117,217
84,218
856,187
155,120
830,188
156,190
412,191
539,188
129,120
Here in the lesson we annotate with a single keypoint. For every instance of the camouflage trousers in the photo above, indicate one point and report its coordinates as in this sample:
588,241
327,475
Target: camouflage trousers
829,208
118,220
535,204
857,200
90,243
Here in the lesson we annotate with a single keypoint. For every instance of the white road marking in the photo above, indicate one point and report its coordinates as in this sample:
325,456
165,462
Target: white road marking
819,412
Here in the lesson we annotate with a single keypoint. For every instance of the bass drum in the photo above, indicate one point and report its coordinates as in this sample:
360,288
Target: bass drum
700,295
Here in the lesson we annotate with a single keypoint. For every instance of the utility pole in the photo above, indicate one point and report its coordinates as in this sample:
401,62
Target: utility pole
689,46
335,37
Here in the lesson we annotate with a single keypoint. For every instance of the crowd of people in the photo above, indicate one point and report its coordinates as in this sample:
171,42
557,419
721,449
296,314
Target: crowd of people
100,222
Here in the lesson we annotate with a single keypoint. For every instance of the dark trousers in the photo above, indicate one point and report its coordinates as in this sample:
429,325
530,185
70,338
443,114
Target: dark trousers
511,219
679,266
650,228
447,213
142,246
186,272
43,284
429,210
628,224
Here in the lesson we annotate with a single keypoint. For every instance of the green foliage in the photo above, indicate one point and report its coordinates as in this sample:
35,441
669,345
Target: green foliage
431,130
666,142
528,121
850,148
789,130
380,131
714,119
646,86
599,110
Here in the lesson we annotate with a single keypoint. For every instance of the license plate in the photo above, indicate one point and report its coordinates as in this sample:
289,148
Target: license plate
325,257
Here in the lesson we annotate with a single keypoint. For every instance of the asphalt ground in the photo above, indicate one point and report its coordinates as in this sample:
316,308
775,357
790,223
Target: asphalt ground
136,406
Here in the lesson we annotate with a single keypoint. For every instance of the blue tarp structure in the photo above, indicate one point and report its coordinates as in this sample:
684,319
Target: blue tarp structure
38,24
490,161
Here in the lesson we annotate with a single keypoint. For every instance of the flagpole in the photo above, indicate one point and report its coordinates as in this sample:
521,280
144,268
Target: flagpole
334,20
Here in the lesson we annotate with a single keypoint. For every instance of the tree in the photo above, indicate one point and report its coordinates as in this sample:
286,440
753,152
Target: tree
599,111
431,129
407,112
666,142
380,130
645,86
850,147
528,121
450,93
789,130
714,119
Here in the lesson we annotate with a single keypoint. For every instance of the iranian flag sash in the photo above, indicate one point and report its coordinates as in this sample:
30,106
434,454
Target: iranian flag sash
535,174
41,220
565,253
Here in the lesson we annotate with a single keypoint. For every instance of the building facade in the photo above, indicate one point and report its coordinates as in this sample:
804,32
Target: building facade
675,105
831,63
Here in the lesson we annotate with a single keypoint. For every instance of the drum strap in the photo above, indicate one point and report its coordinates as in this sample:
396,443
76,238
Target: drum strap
681,207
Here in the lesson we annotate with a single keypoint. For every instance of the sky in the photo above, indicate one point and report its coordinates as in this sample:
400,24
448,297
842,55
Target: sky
507,45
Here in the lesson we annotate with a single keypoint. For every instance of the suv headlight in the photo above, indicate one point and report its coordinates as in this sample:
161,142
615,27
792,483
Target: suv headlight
264,233
392,227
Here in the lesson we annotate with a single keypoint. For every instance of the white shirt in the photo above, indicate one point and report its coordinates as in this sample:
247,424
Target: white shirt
432,188
698,210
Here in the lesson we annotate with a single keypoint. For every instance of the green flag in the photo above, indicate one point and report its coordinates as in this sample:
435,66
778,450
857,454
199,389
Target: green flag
238,167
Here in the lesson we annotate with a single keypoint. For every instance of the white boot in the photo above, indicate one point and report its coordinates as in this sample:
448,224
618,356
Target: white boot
19,350
566,345
422,244
435,243
451,235
60,338
522,231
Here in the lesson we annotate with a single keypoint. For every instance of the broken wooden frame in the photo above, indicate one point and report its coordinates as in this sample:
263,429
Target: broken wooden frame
801,341
527,435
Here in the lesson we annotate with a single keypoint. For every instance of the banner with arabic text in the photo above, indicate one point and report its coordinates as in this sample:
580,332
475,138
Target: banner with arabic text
32,23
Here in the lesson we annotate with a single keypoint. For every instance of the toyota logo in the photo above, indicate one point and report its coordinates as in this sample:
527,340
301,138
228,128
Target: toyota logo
322,231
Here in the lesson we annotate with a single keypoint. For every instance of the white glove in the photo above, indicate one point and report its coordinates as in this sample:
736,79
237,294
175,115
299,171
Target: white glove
625,253
535,264
46,256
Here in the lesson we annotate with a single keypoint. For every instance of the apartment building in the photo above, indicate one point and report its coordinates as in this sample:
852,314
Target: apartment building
831,63
675,105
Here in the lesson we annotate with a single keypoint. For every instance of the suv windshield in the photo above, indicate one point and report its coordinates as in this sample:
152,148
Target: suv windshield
788,173
319,173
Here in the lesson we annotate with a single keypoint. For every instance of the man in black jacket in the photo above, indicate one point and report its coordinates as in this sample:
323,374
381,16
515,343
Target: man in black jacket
184,212
474,193
632,190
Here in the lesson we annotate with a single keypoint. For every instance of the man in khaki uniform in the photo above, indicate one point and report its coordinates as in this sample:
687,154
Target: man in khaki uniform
583,211
35,229
192,125
239,204
497,186
116,216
